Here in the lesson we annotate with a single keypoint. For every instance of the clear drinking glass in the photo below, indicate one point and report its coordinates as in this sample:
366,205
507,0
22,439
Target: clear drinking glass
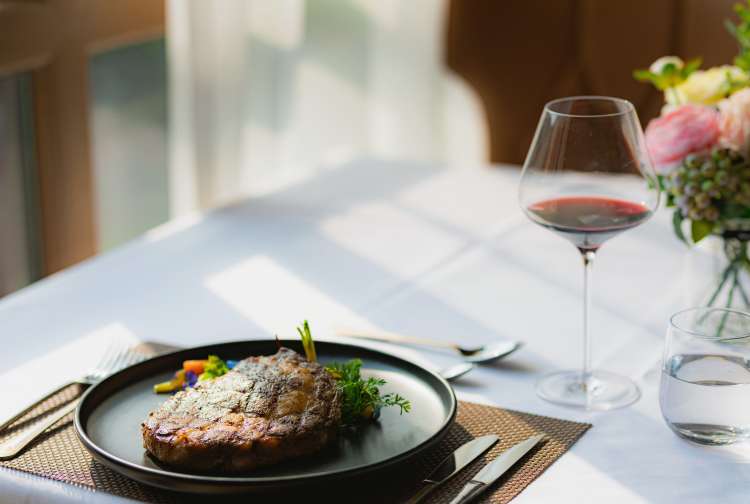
705,377
588,177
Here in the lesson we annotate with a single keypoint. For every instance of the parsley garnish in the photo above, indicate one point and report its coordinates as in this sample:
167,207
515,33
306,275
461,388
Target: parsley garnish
361,398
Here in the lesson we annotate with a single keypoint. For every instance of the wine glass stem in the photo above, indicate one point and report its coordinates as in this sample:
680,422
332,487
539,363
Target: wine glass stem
588,263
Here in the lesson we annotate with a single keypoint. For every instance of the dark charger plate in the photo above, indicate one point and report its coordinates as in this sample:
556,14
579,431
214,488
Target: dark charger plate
108,421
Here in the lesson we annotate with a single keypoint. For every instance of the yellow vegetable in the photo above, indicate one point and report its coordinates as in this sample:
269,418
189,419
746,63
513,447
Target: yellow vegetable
172,385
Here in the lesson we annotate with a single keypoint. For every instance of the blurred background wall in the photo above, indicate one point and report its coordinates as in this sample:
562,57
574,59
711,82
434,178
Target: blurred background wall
118,116
519,54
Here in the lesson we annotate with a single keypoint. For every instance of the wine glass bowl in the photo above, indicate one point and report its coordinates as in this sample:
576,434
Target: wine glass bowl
588,177
584,171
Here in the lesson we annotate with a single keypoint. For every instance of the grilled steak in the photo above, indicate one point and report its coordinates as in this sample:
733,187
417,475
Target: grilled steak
265,410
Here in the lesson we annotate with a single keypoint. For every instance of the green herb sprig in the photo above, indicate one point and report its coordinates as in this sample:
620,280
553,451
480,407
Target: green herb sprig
361,397
307,342
362,400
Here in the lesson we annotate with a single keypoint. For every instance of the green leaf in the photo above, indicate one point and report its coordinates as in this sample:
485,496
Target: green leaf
660,81
730,28
699,229
677,219
669,70
743,61
691,66
743,11
662,181
643,75
741,33
732,210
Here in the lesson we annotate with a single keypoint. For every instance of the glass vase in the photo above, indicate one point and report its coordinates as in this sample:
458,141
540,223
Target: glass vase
728,282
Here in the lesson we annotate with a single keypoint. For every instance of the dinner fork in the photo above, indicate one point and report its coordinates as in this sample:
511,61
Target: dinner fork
114,359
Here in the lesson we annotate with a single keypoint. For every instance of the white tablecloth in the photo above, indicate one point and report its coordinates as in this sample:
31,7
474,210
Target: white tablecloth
404,247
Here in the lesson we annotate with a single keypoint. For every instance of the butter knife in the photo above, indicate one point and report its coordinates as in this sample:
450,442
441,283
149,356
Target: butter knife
453,463
495,469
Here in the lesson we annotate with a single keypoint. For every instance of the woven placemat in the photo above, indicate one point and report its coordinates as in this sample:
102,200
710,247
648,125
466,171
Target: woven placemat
58,455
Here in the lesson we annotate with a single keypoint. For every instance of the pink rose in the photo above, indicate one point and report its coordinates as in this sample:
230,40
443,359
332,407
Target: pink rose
686,129
734,122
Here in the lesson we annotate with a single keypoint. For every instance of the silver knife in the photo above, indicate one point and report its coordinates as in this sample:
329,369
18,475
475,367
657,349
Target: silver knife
495,469
453,463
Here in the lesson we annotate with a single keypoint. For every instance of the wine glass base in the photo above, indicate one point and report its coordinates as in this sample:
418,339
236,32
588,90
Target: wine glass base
601,390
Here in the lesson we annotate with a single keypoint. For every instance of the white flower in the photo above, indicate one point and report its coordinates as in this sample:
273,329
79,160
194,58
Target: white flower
706,87
658,65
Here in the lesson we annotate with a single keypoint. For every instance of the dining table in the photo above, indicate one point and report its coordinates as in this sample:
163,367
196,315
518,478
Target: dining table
411,247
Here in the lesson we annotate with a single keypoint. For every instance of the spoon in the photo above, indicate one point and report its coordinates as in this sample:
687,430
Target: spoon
481,354
457,370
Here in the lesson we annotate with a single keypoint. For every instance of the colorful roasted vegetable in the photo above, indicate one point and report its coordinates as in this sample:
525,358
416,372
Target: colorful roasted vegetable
190,379
214,368
196,366
194,371
173,385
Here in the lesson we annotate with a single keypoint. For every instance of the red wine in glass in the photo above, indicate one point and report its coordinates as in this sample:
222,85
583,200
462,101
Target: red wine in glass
588,177
588,221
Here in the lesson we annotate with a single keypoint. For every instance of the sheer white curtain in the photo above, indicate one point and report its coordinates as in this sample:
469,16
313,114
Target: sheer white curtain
265,93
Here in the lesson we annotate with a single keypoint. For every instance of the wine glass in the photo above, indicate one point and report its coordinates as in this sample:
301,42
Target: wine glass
588,177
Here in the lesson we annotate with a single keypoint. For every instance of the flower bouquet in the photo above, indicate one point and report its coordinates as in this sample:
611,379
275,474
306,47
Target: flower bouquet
700,147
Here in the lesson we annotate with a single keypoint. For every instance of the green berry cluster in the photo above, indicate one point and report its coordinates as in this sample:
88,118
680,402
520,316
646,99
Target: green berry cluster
704,184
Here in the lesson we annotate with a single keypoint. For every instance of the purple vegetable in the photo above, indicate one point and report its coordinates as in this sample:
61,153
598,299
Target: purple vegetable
190,378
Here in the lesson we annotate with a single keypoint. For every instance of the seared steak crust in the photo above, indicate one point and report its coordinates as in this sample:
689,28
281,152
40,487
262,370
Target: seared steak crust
267,409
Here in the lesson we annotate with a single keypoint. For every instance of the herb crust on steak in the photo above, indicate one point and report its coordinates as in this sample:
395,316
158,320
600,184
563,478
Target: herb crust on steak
266,410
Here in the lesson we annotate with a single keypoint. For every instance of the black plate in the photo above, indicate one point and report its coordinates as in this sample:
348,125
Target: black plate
109,416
